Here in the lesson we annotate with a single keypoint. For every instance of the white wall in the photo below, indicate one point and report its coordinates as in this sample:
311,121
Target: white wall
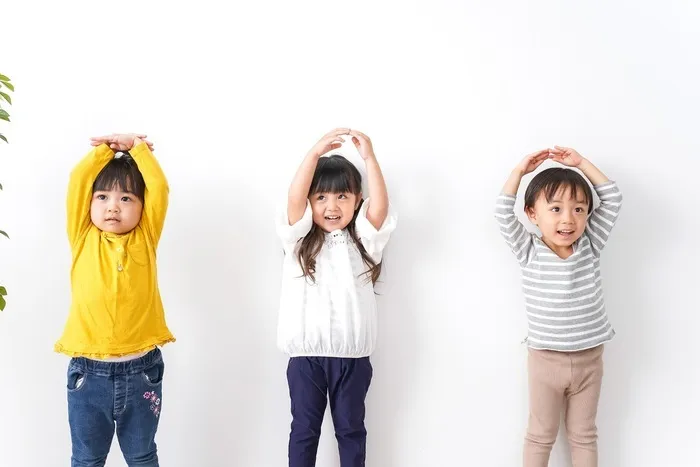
453,95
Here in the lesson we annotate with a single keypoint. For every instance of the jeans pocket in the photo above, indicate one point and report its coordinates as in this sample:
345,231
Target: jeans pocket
153,375
76,379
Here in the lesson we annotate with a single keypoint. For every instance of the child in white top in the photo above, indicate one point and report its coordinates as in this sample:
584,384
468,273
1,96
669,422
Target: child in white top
333,242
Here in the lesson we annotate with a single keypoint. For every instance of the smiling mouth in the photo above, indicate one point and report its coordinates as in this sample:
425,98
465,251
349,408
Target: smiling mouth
332,218
565,232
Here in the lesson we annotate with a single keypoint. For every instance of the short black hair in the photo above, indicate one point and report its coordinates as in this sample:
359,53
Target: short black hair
550,181
121,173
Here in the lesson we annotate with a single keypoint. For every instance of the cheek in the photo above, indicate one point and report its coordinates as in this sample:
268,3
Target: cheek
134,212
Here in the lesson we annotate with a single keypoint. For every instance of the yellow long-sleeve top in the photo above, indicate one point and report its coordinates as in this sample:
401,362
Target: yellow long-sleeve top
116,306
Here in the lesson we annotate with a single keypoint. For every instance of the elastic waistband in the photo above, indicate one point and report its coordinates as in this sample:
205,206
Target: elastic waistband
130,367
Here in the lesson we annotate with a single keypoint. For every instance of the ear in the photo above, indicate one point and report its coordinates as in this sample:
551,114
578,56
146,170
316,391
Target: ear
531,214
359,200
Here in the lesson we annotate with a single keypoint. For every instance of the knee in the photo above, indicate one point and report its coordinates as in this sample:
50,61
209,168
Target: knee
149,459
582,435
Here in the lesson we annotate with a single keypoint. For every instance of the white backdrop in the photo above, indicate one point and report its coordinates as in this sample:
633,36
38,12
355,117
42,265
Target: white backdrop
453,95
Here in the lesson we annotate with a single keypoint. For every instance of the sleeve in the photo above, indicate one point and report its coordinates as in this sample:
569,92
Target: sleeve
604,216
155,204
291,234
82,178
374,240
514,232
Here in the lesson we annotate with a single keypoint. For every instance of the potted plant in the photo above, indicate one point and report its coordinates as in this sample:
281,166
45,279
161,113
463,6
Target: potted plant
5,88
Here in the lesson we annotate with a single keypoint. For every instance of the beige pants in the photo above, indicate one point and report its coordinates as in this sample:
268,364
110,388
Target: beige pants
569,381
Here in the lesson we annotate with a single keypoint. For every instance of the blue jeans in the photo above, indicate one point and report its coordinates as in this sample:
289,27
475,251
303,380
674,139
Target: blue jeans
313,381
104,394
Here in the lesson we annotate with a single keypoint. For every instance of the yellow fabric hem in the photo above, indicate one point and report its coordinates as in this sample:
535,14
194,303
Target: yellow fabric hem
103,355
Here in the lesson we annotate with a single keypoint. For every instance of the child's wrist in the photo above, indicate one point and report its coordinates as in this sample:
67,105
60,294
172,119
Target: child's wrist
584,164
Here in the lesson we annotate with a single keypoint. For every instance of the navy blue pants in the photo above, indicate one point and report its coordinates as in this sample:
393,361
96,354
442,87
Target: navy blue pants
312,382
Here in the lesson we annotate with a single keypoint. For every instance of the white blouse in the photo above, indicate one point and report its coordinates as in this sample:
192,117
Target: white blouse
337,315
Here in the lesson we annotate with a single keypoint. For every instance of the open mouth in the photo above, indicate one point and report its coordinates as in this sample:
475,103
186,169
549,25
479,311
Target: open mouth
565,232
332,218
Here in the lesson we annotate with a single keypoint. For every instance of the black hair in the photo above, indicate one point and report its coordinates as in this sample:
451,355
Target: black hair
550,181
121,173
334,174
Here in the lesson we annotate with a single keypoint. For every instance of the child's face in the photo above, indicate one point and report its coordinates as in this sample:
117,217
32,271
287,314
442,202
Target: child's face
333,211
115,211
562,220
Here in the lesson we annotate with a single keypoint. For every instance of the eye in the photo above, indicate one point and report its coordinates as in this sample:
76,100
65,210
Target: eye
101,197
580,210
555,209
320,197
342,196
125,199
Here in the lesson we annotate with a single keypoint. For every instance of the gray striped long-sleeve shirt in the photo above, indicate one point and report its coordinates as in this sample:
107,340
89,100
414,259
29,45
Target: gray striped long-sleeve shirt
563,297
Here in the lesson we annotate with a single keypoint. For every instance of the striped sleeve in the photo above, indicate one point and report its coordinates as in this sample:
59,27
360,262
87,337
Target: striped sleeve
514,232
604,216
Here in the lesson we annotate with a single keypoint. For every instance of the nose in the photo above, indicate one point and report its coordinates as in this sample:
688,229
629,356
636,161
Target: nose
112,207
567,217
332,205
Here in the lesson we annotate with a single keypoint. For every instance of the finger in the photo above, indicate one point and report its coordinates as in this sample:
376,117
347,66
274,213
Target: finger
358,134
337,132
101,138
535,155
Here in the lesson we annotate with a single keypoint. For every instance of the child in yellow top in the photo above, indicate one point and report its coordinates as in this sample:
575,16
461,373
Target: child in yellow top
116,211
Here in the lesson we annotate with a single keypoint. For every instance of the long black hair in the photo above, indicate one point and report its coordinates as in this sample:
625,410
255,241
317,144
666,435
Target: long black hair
334,174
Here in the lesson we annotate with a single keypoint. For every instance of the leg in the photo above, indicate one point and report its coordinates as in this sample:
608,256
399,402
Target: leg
307,390
547,381
90,415
582,407
349,380
137,423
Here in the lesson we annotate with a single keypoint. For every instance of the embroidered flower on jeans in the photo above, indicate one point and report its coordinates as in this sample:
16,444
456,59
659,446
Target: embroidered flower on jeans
153,398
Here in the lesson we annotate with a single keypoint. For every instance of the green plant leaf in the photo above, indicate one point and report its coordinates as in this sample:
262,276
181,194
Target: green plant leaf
3,290
4,78
2,232
2,137
4,115
0,186
9,86
2,303
6,97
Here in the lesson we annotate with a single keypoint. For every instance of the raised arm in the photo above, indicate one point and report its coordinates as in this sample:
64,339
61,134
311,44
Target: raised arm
603,218
299,189
155,205
378,197
513,231
82,178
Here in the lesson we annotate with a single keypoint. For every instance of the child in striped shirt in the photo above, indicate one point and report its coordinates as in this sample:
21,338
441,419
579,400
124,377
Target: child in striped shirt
567,322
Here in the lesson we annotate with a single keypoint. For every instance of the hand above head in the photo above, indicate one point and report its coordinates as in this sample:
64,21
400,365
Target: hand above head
121,141
567,156
330,141
363,144
532,161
